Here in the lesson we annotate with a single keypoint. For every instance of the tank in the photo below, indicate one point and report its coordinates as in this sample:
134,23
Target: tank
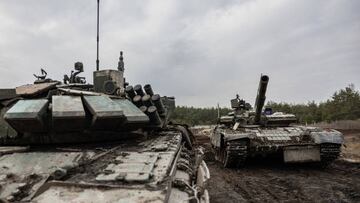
259,132
70,141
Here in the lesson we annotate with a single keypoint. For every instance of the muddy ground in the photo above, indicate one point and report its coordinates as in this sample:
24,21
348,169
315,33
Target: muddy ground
273,181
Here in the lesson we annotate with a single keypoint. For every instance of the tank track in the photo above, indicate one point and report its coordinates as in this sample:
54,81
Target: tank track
234,154
329,152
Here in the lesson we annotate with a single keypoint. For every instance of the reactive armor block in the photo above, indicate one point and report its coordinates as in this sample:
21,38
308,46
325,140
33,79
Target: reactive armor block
28,115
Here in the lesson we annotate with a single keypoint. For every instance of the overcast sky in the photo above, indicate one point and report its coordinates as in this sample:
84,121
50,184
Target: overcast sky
200,51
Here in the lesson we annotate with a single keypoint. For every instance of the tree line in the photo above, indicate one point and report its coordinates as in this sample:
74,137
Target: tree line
343,105
197,116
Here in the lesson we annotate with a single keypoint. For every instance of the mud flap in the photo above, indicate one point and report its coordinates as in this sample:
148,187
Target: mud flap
300,154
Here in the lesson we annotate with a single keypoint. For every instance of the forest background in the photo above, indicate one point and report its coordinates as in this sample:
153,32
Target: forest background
343,105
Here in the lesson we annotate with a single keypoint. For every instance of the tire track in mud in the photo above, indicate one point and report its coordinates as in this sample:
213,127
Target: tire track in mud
282,183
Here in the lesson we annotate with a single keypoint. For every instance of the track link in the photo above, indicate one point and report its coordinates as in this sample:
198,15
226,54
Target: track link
233,155
329,152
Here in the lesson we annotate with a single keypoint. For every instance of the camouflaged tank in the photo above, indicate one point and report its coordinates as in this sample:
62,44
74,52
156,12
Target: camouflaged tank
246,133
107,142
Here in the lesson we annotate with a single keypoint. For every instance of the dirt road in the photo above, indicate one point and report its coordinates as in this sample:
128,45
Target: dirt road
273,181
268,182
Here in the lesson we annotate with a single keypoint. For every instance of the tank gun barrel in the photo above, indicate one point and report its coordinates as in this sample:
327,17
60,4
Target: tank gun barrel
260,97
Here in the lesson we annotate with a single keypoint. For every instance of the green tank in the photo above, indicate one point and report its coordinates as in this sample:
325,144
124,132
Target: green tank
252,132
108,141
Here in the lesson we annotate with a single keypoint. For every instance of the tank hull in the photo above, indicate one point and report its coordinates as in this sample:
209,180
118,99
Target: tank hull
71,144
295,144
135,170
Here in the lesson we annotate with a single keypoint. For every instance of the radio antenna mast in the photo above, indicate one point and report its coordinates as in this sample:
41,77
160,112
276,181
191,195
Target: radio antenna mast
97,37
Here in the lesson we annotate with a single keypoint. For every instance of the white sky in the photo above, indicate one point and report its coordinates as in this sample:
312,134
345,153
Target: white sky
200,51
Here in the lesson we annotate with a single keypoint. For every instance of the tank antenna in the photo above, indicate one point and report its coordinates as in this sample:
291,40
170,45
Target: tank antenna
121,62
97,37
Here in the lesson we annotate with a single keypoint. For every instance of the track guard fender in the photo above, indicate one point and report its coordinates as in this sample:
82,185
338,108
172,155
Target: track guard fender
242,136
332,136
187,135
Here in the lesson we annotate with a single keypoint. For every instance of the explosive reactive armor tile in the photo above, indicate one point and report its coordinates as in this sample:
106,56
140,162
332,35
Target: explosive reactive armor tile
132,113
107,114
68,113
28,115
